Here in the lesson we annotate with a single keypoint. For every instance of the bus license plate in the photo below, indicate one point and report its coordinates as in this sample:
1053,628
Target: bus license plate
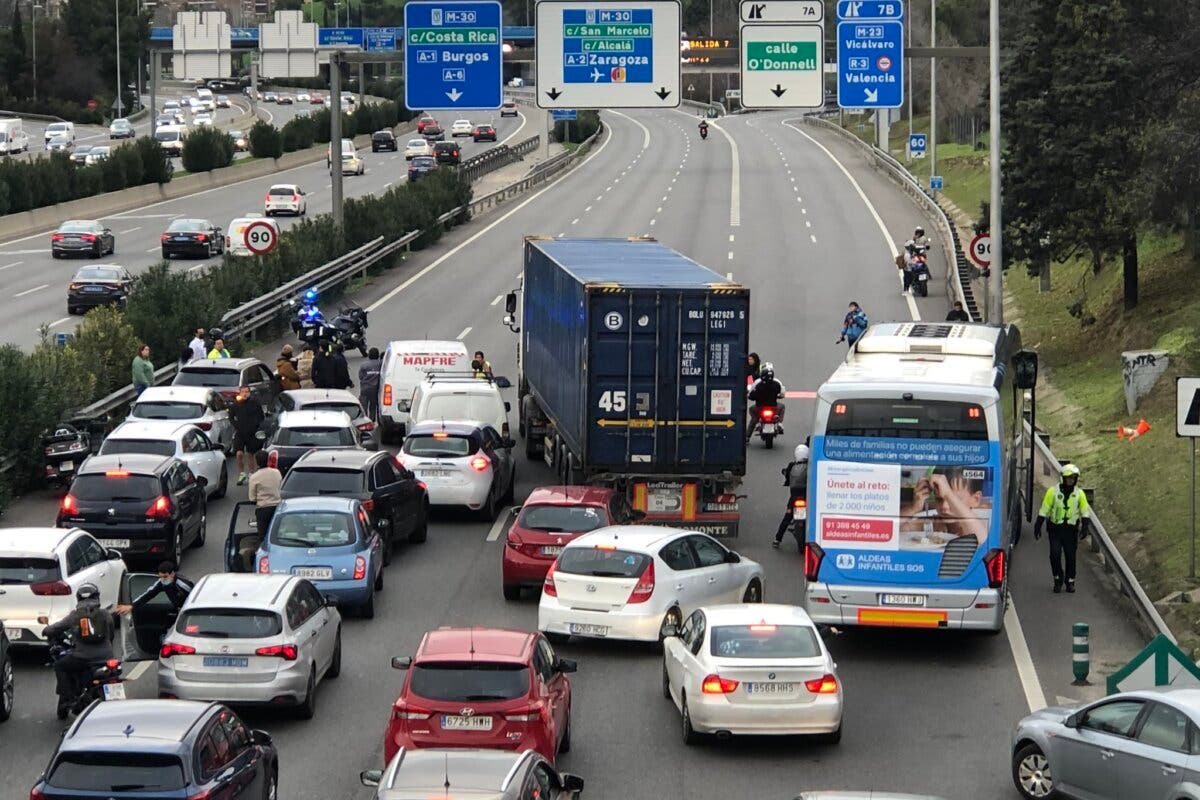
114,691
902,599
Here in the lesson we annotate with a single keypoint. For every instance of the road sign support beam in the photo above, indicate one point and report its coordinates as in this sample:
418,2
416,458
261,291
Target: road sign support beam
946,52
335,138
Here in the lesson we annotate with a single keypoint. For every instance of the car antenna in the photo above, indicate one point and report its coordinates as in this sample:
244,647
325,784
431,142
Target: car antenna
472,642
446,773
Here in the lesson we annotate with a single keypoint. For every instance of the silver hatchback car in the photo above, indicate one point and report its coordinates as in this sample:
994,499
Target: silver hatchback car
252,639
1142,745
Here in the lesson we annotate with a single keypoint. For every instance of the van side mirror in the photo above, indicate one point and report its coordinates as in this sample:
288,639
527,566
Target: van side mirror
507,406
510,303
503,383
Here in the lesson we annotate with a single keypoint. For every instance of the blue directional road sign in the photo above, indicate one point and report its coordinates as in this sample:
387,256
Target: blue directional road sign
564,114
870,61
332,37
935,182
870,9
917,144
376,40
452,55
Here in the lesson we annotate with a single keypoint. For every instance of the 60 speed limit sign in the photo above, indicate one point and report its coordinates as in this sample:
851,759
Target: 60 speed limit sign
981,250
261,237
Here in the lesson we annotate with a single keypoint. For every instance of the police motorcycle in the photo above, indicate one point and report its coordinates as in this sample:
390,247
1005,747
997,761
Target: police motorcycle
920,274
348,328
64,448
103,680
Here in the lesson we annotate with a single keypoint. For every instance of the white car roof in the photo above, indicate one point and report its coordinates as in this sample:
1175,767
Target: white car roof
638,538
240,590
304,419
34,541
180,394
750,613
427,346
162,429
292,186
462,122
420,142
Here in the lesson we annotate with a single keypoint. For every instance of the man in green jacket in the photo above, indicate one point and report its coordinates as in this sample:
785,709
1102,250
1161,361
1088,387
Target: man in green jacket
143,370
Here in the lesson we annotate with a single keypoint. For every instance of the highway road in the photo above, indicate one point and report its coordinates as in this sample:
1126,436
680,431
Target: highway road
37,283
799,217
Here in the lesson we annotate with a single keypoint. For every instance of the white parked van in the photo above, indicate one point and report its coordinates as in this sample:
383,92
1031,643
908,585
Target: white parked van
235,237
13,138
405,365
460,397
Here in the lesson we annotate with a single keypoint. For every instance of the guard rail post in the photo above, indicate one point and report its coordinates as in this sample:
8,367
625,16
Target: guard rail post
1080,654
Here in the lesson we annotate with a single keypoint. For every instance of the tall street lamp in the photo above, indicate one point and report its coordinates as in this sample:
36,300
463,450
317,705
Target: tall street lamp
33,7
117,15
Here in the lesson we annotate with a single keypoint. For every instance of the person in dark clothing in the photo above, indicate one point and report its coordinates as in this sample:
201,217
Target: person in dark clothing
368,382
324,370
171,583
247,420
753,367
795,477
958,313
341,368
766,391
93,629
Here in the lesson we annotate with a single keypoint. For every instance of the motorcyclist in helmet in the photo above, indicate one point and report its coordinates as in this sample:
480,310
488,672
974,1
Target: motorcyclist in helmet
93,629
766,391
918,245
703,129
795,477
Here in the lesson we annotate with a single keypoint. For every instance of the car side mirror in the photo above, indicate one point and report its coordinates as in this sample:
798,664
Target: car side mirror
502,383
203,481
371,777
401,662
637,516
567,665
330,601
572,783
507,407
508,444
510,303
260,737
1072,721
114,555
732,558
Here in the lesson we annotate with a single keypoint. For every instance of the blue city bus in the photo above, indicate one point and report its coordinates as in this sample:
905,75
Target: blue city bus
914,480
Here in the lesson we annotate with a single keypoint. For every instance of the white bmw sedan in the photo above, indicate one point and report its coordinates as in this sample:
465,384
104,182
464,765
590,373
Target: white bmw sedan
751,669
629,581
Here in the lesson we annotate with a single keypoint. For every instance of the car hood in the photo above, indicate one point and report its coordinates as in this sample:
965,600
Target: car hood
1052,715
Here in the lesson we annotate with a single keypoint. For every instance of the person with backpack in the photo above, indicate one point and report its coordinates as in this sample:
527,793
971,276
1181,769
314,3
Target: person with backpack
93,629
795,477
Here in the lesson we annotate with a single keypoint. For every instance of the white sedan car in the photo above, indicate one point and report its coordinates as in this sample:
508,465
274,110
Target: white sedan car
203,120
184,440
202,406
417,147
285,198
461,127
636,582
303,97
752,669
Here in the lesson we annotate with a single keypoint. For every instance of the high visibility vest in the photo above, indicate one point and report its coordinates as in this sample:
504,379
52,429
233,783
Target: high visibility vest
1059,510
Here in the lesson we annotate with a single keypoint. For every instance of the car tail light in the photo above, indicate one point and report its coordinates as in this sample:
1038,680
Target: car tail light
826,684
264,564
548,587
387,394
368,505
112,663
813,556
50,589
273,459
164,236
513,541
766,413
75,286
366,427
715,684
645,585
535,712
202,237
88,237
295,198
36,794
56,237
170,649
480,463
454,153
360,568
69,505
405,711
267,199
204,426
202,795
160,508
285,651
996,563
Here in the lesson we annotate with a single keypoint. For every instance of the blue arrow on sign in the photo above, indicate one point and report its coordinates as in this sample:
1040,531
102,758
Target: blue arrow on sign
452,56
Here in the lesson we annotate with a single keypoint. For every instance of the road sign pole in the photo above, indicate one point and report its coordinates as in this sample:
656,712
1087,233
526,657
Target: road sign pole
154,70
253,89
362,83
932,90
908,66
1192,571
996,286
335,136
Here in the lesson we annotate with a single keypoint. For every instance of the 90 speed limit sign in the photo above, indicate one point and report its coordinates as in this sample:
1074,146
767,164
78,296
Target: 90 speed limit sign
981,250
261,237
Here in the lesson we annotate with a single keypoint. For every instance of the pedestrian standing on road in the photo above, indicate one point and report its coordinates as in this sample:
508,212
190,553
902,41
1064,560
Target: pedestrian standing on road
304,365
218,350
197,345
143,370
324,370
853,324
1063,511
341,368
958,313
289,378
368,382
263,491
247,420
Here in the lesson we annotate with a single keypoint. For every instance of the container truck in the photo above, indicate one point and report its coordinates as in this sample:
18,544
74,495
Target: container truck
631,360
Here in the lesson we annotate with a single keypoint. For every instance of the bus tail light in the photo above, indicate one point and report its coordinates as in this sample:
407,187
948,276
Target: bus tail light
813,556
995,561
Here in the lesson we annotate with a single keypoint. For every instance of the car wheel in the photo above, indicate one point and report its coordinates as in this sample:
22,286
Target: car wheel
202,531
379,581
511,491
98,250
1031,773
308,709
223,483
666,682
166,255
55,254
565,745
490,506
112,248
7,694
421,532
512,591
754,592
271,792
368,608
690,736
335,666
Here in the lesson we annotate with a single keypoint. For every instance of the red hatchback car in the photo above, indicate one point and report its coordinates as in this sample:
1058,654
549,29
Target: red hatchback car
551,517
482,687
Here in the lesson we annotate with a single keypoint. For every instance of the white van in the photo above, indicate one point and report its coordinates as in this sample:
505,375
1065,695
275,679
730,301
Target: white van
207,101
460,397
235,236
405,365
13,138
170,138
347,149
64,129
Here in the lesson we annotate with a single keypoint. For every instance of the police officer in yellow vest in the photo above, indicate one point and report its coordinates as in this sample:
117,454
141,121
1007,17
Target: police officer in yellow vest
1064,507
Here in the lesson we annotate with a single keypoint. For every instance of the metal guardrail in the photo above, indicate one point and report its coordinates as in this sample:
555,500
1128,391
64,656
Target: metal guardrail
496,157
540,174
960,276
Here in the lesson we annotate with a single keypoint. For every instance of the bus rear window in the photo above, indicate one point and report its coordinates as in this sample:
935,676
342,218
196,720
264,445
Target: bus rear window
929,419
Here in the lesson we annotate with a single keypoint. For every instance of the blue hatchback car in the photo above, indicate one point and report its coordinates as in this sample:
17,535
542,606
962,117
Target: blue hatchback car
331,542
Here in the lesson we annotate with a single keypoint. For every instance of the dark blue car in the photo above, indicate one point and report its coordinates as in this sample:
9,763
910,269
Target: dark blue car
160,749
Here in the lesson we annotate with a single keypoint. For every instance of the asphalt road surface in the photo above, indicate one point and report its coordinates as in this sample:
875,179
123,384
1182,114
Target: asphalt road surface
807,225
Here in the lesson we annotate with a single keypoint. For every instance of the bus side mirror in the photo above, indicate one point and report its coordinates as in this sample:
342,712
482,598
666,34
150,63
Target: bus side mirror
510,303
1025,369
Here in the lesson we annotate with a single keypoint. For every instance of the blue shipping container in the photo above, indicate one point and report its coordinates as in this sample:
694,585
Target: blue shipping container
635,353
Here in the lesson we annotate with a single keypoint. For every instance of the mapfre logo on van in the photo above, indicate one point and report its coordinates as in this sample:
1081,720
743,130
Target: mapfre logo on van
431,359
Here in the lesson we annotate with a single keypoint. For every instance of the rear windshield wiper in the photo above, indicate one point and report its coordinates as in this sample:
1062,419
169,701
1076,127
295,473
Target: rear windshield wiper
125,498
480,697
599,573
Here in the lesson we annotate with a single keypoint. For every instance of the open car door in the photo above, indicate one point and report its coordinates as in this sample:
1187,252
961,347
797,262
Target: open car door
242,523
143,630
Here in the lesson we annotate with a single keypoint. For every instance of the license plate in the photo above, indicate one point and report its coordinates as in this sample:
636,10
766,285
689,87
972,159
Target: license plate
180,239
589,630
460,723
66,466
114,691
768,427
435,473
800,513
116,544
902,599
315,573
551,550
13,634
95,289
770,688
226,661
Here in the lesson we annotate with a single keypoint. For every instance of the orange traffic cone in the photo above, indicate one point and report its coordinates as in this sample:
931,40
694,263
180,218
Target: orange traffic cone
1142,428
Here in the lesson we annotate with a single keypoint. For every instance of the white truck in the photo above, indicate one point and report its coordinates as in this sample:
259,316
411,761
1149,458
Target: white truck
13,138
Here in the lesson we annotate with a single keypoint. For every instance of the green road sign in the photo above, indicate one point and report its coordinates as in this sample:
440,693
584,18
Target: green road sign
1160,663
781,57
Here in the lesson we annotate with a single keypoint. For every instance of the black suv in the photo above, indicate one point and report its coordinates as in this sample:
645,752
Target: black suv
384,140
447,153
231,377
395,499
148,507
180,748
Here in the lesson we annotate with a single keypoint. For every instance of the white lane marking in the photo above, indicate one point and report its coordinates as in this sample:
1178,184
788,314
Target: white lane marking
804,211
658,210
599,197
464,333
499,297
471,239
153,249
498,525
728,276
138,670
141,216
731,237
130,230
198,266
24,252
10,266
731,255
518,130
645,130
31,291
589,208
814,238
575,221
386,185
807,224
1026,671
735,181
653,221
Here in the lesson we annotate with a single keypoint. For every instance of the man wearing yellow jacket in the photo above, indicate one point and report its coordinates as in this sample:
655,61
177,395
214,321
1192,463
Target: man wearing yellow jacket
1065,506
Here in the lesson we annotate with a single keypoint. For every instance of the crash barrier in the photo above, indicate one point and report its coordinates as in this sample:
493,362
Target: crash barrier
959,285
496,157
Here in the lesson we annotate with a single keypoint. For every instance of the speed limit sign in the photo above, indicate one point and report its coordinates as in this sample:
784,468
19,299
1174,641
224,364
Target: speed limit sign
981,250
261,237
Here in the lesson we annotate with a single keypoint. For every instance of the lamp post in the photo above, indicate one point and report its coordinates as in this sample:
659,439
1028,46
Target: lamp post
117,16
33,7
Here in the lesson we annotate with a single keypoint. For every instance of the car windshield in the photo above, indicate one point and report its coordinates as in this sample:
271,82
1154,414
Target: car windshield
166,136
764,641
207,376
153,447
117,771
278,191
21,570
351,410
416,143
469,682
229,623
312,529
561,519
306,482
423,161
83,149
115,487
102,150
167,410
439,446
79,227
602,563
98,274
184,225
56,127
313,436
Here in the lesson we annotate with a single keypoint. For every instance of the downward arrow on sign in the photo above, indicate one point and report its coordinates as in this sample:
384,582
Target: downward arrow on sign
454,94
554,93
778,90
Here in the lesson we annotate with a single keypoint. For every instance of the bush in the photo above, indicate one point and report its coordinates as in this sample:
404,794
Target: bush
587,124
187,300
55,107
298,134
107,344
265,141
156,164
206,149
